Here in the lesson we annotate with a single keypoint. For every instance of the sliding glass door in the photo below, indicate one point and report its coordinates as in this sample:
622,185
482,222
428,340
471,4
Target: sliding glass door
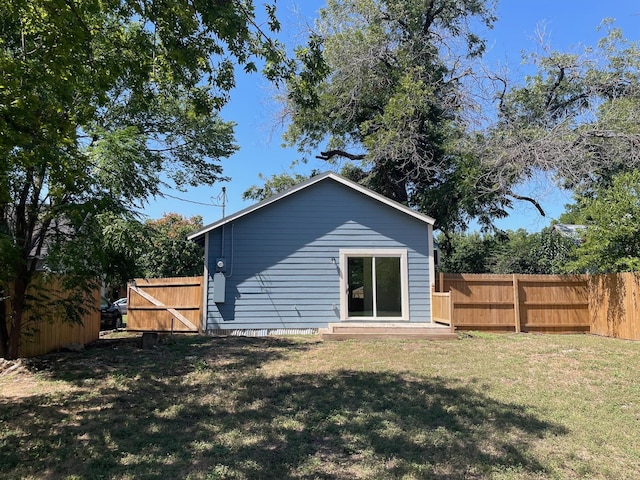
374,284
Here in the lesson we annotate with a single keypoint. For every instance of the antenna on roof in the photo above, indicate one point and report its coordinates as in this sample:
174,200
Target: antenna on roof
224,199
220,200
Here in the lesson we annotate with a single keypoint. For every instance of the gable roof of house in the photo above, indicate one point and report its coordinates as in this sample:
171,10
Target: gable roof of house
569,230
306,184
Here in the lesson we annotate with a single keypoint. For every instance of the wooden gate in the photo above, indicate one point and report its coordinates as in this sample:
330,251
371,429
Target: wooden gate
164,304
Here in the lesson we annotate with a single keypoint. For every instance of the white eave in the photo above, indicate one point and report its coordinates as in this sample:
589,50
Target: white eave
301,186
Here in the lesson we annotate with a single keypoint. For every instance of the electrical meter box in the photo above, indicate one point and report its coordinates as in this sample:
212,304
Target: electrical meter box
221,265
219,287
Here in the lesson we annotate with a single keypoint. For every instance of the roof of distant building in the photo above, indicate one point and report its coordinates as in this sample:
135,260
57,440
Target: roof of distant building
569,230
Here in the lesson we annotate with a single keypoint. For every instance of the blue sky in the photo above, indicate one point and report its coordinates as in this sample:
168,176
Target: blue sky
568,23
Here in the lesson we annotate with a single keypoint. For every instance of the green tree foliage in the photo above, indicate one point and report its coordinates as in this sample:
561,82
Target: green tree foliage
123,243
543,253
276,183
509,252
575,118
612,238
466,253
169,253
104,104
383,85
152,249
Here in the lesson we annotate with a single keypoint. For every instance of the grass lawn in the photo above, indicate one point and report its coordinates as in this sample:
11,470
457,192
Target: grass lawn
484,406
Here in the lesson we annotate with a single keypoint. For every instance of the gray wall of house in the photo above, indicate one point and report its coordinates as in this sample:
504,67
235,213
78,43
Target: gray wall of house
280,270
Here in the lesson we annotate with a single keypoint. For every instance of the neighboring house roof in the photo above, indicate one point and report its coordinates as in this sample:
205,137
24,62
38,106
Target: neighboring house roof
57,230
569,231
328,176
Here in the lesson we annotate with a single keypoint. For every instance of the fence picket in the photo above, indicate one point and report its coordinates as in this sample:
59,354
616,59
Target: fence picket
155,303
540,303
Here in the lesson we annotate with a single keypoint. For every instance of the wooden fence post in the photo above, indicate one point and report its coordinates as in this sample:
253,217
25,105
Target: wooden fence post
450,307
516,302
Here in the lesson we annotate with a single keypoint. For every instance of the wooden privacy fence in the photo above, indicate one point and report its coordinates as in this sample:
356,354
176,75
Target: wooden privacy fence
514,303
45,330
606,305
165,304
614,303
441,307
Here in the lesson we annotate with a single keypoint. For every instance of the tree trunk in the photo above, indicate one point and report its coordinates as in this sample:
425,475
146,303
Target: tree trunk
4,332
17,303
390,181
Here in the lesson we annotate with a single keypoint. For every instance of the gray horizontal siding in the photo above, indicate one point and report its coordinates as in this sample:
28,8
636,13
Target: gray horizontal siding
280,259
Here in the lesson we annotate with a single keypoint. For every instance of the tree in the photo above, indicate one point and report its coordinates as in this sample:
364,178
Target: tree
384,86
509,252
154,248
469,253
575,118
516,252
612,238
123,243
103,104
275,184
169,253
541,253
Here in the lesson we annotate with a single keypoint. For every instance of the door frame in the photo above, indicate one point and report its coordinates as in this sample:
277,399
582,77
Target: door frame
346,253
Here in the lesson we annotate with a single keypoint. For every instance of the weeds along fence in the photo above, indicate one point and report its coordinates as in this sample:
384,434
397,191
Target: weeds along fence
514,303
44,330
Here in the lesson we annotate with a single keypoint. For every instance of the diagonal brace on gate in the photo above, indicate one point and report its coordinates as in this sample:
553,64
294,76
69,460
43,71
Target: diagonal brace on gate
181,318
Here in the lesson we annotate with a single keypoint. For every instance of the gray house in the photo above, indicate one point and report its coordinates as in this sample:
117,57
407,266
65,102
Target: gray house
324,252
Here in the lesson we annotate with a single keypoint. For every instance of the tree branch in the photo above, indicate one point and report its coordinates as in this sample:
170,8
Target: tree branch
430,16
329,154
555,86
528,199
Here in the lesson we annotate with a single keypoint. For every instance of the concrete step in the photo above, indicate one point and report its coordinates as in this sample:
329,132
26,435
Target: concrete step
405,330
372,330
387,336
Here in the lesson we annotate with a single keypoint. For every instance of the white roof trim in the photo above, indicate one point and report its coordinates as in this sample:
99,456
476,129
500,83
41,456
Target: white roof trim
301,186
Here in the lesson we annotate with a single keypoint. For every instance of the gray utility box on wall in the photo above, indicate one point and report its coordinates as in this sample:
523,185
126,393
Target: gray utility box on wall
219,284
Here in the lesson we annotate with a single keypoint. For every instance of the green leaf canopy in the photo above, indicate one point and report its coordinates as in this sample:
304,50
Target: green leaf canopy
103,105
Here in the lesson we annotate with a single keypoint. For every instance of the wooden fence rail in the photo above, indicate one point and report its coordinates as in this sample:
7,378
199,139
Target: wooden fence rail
165,304
441,307
45,329
516,303
614,303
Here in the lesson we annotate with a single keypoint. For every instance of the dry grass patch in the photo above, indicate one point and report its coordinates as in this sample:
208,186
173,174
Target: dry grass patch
491,406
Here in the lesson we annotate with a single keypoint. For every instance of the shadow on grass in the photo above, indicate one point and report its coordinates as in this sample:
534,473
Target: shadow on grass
203,408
